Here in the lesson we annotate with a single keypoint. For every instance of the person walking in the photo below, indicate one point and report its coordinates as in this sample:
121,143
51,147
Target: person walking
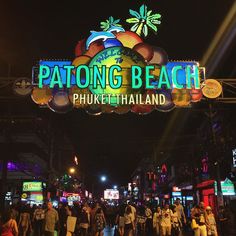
100,222
38,221
8,226
223,221
133,211
62,219
198,215
84,221
148,214
211,222
156,221
51,219
141,220
176,222
166,215
120,220
129,222
181,214
24,223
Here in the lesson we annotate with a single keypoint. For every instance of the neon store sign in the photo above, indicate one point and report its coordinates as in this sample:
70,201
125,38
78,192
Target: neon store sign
116,71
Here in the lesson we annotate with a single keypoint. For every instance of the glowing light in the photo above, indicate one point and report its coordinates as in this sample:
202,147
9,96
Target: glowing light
76,160
72,170
143,21
103,178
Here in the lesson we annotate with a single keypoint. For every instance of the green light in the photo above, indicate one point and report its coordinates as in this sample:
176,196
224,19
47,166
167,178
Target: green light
143,20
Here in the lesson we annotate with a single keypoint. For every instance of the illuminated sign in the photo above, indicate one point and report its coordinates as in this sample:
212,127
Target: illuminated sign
176,194
32,186
8,196
234,157
116,71
36,197
227,188
176,189
111,194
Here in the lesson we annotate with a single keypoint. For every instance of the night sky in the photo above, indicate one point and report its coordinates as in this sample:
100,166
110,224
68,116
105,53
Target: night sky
109,144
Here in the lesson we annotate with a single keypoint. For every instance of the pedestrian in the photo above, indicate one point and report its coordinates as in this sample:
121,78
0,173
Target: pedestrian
181,214
120,220
84,221
198,216
156,221
92,215
38,221
141,220
100,222
166,215
133,211
51,220
109,213
62,219
14,212
148,214
8,226
211,222
223,221
24,223
176,222
129,222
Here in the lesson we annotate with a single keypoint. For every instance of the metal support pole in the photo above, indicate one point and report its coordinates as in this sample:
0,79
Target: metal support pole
220,201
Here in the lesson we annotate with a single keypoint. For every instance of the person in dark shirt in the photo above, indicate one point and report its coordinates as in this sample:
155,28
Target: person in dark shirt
223,221
62,219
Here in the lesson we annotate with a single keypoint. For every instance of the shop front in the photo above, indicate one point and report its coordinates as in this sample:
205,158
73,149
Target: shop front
33,192
207,192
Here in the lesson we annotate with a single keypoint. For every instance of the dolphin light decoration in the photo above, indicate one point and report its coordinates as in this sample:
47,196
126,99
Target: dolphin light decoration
116,29
96,35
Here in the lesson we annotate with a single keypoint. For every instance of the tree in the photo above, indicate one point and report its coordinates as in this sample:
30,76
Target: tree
105,25
143,20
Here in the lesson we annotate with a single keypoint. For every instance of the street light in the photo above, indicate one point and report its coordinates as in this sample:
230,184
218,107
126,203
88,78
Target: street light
72,170
103,178
115,187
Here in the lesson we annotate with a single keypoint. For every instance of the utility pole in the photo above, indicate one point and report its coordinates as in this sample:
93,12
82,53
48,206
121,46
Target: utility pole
6,155
220,201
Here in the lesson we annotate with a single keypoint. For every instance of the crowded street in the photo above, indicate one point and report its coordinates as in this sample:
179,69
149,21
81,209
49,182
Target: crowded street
118,118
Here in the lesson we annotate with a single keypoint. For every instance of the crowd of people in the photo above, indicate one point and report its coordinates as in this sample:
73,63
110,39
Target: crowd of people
127,219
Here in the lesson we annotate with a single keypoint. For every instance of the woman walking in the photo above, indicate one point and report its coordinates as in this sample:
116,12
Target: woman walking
120,220
24,222
100,222
156,221
210,222
129,223
8,226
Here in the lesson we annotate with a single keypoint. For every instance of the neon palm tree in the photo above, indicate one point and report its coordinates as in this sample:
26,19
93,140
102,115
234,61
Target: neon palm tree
143,20
105,25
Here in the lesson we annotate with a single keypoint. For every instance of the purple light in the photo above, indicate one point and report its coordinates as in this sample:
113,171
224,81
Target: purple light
11,166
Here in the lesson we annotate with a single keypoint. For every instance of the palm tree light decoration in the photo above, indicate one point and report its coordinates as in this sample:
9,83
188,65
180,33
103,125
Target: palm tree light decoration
105,25
143,20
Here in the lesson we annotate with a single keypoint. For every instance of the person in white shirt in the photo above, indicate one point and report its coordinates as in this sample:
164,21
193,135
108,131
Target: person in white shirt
133,211
180,210
156,221
181,214
166,216
176,223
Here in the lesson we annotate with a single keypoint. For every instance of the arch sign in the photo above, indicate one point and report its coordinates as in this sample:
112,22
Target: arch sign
115,70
